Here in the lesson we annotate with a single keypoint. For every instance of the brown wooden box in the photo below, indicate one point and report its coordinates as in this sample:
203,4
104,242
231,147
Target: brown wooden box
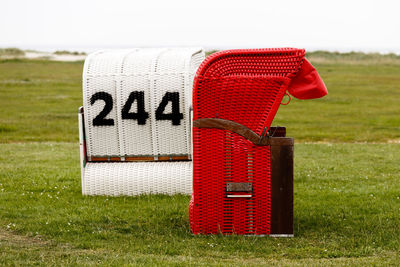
281,184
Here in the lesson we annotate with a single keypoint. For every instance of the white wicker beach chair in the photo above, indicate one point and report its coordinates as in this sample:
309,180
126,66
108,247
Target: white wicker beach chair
135,122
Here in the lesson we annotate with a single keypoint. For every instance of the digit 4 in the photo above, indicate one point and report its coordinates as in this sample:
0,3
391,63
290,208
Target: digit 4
175,116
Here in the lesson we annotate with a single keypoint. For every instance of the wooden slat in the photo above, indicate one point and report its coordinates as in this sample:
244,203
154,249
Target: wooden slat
282,186
232,126
98,159
129,159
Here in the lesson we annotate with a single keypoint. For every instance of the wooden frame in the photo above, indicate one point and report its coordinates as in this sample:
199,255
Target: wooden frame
282,186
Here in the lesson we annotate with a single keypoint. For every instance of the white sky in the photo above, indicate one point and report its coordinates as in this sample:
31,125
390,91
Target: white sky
341,25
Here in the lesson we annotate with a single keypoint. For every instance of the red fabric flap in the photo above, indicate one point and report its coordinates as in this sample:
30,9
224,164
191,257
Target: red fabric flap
307,84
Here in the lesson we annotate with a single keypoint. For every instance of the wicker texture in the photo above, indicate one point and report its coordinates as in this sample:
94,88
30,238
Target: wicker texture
245,86
137,178
153,73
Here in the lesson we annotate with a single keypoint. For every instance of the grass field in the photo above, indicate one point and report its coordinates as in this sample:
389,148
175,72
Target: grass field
347,188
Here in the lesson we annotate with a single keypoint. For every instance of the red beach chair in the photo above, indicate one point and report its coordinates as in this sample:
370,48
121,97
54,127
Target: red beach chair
236,95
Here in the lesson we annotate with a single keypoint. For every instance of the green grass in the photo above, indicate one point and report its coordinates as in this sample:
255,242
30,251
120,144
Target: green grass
361,106
39,102
347,205
347,188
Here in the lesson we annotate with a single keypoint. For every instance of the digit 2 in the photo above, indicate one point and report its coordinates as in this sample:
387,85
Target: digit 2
100,120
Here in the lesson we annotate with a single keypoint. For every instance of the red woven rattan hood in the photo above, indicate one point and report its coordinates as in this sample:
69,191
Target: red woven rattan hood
259,78
284,62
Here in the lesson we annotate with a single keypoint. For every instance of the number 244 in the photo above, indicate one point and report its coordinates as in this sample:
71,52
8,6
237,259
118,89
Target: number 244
140,115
